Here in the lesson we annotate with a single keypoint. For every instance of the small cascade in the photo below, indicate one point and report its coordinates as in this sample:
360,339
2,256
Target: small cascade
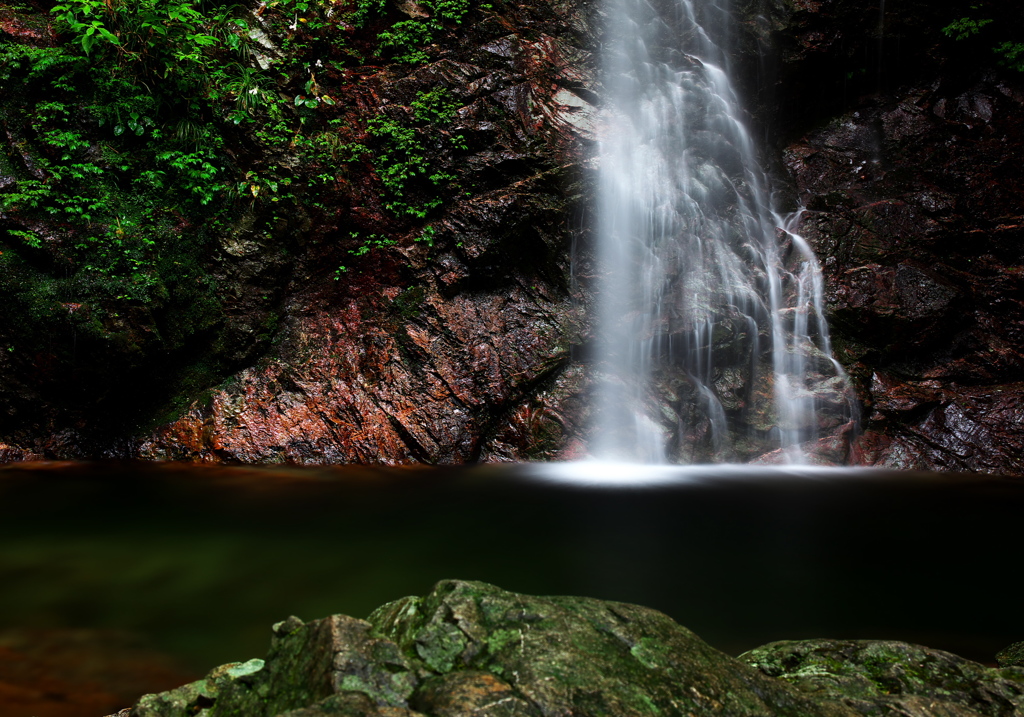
711,342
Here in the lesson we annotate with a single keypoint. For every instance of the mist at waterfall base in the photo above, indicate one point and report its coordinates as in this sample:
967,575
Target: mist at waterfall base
201,561
711,343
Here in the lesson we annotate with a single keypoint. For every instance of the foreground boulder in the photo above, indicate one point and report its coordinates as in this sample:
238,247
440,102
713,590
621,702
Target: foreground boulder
471,648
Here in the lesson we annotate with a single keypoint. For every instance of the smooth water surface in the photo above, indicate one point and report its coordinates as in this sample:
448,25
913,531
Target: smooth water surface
202,561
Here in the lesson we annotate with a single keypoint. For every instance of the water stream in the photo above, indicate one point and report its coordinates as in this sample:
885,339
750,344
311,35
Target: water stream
712,341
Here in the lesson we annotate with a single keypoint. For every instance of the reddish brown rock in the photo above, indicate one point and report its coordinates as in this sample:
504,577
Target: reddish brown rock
377,386
471,692
953,428
12,454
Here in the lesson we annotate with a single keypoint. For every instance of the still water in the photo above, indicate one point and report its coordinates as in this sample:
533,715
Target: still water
201,561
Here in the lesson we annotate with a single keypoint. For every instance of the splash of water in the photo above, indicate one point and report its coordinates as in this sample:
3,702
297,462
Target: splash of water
711,342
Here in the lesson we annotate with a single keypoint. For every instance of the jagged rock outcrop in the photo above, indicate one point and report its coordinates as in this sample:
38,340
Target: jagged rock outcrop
436,355
884,677
471,648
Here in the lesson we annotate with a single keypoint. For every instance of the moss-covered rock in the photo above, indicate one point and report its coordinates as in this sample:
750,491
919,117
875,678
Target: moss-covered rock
568,655
1012,656
472,648
884,677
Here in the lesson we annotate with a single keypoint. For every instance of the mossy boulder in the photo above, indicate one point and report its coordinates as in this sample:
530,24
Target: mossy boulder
881,677
472,648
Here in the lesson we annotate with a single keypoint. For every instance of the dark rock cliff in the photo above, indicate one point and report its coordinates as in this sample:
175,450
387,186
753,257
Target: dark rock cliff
911,178
440,354
308,320
426,320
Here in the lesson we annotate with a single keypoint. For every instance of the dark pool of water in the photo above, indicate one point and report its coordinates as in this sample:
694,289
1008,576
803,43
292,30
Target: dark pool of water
203,561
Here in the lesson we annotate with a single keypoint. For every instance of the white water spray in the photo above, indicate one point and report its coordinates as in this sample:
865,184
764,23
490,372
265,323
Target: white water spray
711,341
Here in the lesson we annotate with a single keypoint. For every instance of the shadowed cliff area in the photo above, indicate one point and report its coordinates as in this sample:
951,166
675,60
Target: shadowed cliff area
912,191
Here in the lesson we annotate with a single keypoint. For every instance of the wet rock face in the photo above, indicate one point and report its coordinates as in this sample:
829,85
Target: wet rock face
324,348
910,173
909,167
472,648
377,381
913,206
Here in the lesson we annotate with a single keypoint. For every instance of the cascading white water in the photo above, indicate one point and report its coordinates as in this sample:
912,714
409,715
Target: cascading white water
710,309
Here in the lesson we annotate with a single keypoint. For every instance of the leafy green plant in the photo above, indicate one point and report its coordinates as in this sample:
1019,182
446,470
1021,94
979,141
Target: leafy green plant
29,238
428,236
407,40
163,34
27,194
367,9
1010,52
436,106
262,186
400,158
369,243
403,158
195,170
965,27
251,91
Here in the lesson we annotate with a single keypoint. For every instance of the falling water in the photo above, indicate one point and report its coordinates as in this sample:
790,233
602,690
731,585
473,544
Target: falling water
711,341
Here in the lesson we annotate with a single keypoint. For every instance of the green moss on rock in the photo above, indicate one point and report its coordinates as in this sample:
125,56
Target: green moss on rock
886,677
472,648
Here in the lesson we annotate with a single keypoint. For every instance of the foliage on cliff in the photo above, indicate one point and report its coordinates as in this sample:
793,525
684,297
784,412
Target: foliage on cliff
979,26
139,118
176,173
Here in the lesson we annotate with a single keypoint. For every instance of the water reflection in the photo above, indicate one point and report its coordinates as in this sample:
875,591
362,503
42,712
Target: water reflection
203,560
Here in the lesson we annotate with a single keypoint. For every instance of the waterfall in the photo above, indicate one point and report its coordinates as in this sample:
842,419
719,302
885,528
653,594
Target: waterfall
710,341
